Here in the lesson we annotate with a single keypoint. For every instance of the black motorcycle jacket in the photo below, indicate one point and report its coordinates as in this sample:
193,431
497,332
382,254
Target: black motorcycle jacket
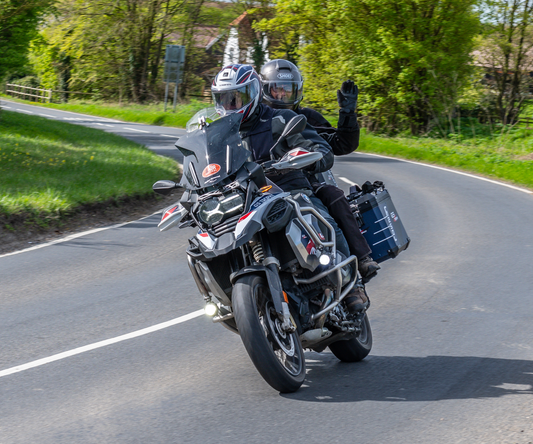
260,132
344,139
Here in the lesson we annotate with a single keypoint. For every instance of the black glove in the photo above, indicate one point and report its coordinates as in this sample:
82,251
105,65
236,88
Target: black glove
347,96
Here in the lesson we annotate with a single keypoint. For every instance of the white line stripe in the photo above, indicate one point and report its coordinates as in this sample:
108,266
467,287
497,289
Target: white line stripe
25,111
47,115
168,135
86,348
133,129
74,236
7,107
104,124
69,112
383,240
503,184
348,181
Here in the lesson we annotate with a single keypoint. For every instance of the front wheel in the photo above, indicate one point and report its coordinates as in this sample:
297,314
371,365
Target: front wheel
354,349
276,354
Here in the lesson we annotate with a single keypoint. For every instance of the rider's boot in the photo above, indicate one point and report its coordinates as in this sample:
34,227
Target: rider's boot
368,268
356,300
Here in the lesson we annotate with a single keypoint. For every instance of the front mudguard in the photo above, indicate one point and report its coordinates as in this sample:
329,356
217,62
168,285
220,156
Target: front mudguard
272,278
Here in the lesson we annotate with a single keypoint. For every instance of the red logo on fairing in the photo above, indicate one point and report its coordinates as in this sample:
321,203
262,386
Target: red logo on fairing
211,169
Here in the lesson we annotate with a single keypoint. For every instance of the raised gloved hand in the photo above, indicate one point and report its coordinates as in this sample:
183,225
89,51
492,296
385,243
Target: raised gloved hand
347,96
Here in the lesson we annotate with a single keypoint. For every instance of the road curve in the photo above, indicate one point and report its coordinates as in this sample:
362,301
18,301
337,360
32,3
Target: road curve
453,337
159,139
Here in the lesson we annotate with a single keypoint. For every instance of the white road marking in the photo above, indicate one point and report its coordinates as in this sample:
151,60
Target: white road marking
47,115
133,129
25,111
523,190
348,181
86,348
71,112
168,135
104,124
74,236
7,107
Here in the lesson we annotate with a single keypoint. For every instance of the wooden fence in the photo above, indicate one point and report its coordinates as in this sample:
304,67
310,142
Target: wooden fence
527,121
38,94
29,93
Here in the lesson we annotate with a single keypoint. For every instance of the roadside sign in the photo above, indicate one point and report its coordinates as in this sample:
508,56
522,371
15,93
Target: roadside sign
174,61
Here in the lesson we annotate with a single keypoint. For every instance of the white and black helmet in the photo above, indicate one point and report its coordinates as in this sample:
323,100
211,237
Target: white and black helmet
237,89
282,84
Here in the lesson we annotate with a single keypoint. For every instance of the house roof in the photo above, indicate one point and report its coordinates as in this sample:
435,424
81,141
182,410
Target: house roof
239,19
205,36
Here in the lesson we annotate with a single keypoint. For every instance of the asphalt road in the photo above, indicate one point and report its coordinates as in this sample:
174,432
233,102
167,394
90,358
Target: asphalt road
452,319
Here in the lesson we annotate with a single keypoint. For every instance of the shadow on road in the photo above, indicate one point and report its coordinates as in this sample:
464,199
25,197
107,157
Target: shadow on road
402,378
364,159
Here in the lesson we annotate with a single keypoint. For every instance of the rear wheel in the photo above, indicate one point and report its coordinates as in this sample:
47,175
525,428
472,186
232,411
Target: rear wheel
354,349
276,354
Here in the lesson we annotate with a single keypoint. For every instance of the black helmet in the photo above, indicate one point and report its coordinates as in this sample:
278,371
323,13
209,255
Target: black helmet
282,84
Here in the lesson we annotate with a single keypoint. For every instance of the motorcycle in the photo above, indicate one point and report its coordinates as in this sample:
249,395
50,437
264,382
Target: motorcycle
265,261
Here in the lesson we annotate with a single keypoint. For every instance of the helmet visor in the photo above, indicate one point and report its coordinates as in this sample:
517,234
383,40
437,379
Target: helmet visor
286,92
235,99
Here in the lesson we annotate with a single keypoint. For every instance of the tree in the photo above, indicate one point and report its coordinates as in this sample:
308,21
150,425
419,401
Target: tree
18,26
506,52
115,48
402,54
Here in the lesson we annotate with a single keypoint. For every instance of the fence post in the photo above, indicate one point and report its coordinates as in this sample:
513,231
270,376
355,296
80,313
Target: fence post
49,96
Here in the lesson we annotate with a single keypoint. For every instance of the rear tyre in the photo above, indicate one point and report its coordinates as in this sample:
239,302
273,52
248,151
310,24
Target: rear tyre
277,355
355,349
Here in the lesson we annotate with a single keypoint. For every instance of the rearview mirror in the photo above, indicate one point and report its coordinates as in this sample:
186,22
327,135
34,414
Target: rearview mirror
295,126
165,187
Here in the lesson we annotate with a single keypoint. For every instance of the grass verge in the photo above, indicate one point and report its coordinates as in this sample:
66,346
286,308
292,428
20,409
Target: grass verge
508,157
149,114
50,169
479,148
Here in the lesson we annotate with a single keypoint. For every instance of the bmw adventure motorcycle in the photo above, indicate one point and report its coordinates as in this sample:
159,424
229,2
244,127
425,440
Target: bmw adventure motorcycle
265,261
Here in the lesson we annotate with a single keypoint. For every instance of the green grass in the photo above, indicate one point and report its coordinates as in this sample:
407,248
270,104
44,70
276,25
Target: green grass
153,114
49,168
508,157
480,149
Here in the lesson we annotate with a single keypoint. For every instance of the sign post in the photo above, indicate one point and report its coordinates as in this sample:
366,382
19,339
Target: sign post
174,61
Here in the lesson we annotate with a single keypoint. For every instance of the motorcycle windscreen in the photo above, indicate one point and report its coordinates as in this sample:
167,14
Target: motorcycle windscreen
212,153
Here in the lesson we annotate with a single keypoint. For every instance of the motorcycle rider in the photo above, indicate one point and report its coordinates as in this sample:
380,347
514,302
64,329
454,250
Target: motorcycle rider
283,89
237,88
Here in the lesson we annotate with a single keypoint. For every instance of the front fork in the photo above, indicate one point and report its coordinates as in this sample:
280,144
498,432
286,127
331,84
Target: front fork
279,297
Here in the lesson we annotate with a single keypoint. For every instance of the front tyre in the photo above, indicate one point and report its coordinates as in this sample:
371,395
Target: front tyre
354,349
276,354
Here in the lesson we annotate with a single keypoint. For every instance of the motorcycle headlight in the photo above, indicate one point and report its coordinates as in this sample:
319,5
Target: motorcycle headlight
215,209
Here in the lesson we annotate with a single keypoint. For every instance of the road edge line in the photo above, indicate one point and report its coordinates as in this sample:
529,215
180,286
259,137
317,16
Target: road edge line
76,235
100,344
450,170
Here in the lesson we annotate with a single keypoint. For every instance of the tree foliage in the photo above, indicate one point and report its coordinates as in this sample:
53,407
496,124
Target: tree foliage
114,49
18,26
411,58
506,51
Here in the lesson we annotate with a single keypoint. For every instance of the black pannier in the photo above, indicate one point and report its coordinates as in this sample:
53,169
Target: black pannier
378,220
